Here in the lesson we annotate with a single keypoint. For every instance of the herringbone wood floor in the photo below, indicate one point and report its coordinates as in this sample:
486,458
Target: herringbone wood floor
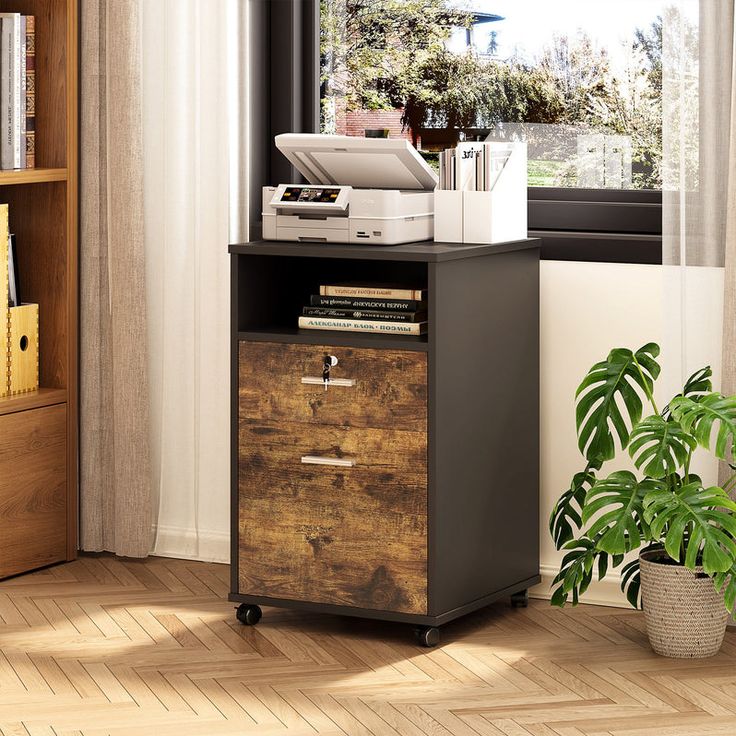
104,646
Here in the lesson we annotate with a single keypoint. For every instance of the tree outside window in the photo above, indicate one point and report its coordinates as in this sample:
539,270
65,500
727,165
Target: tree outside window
588,103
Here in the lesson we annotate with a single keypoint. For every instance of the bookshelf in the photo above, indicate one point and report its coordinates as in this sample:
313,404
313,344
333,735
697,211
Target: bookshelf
39,429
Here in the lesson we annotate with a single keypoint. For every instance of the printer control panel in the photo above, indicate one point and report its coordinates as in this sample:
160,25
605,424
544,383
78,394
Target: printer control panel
311,198
310,194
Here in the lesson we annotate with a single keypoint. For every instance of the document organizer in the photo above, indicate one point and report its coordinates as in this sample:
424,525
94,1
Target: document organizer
495,216
4,319
23,349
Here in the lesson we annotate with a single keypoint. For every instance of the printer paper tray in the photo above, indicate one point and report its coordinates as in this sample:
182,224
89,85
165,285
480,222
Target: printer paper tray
313,223
312,235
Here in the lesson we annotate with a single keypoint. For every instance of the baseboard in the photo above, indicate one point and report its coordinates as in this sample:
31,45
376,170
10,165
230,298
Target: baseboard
606,592
189,544
600,593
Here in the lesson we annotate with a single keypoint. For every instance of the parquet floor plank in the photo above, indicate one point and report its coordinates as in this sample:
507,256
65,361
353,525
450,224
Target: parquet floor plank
109,647
482,726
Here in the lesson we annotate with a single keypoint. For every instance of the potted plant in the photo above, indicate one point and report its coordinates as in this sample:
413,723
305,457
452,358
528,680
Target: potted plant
685,573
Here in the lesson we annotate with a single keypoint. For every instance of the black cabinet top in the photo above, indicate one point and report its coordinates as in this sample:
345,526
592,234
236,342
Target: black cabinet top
427,251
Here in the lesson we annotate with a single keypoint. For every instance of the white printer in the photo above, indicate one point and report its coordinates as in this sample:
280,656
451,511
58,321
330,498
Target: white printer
375,191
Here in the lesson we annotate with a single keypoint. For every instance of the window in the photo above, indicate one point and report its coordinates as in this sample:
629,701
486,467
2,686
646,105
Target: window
362,67
580,81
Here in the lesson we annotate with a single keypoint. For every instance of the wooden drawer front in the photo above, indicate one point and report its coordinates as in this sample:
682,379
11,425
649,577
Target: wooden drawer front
32,489
390,386
352,536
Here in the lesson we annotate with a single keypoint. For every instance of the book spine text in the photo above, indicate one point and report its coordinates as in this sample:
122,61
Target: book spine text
23,80
16,92
368,314
30,92
369,291
349,302
354,325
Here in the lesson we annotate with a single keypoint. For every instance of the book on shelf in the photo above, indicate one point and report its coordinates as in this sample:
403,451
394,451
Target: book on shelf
360,325
30,103
17,91
369,291
365,314
359,302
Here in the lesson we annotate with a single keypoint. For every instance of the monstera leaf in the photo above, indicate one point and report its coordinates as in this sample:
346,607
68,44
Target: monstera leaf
576,571
698,519
631,583
568,509
725,583
699,383
695,386
621,377
662,447
620,496
699,417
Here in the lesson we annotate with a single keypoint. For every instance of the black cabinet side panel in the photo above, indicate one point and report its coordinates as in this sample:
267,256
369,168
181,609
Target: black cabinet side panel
484,424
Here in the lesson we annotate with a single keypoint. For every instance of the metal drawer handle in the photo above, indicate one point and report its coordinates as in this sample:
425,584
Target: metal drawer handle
315,381
318,460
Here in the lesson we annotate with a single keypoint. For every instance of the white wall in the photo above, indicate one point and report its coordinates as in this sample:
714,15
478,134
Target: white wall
588,308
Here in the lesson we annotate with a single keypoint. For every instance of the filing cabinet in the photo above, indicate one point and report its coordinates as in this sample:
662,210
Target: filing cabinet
407,490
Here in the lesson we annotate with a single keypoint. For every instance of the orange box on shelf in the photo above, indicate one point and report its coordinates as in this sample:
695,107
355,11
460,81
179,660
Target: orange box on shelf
23,349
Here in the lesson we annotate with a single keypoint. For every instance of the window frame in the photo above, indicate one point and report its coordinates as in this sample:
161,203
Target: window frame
599,225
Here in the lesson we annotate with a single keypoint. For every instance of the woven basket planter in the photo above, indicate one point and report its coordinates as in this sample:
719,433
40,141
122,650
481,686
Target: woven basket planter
685,616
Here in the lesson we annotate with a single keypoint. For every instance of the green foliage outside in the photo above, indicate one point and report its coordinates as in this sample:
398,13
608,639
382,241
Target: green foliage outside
664,506
388,54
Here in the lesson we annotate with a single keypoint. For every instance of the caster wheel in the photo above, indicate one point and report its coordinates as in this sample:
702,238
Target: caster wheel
520,599
248,614
427,636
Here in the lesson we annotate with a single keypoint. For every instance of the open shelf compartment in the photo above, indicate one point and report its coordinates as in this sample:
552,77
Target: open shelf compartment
273,291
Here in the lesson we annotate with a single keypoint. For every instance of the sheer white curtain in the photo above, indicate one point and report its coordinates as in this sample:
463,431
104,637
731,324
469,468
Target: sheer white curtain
699,172
187,279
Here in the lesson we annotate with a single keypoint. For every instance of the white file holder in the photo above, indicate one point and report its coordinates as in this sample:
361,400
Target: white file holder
448,216
494,216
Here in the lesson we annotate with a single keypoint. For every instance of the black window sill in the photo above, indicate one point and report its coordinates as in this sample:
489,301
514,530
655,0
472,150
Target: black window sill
599,247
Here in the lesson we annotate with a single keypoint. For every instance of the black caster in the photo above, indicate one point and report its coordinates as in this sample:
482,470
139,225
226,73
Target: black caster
248,614
520,599
427,636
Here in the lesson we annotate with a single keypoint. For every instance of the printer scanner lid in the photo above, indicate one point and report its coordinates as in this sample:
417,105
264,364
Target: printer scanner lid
363,163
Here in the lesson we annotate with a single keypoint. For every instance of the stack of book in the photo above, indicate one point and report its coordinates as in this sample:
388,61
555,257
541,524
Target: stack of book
17,91
391,310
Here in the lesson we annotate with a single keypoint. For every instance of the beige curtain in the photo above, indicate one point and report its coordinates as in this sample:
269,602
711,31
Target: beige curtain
697,61
115,474
729,185
699,171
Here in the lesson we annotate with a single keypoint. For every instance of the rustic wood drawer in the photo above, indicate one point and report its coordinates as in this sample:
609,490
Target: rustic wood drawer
32,489
352,535
390,386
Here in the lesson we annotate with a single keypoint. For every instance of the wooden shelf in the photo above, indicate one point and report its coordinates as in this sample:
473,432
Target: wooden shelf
39,432
32,400
32,176
335,337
